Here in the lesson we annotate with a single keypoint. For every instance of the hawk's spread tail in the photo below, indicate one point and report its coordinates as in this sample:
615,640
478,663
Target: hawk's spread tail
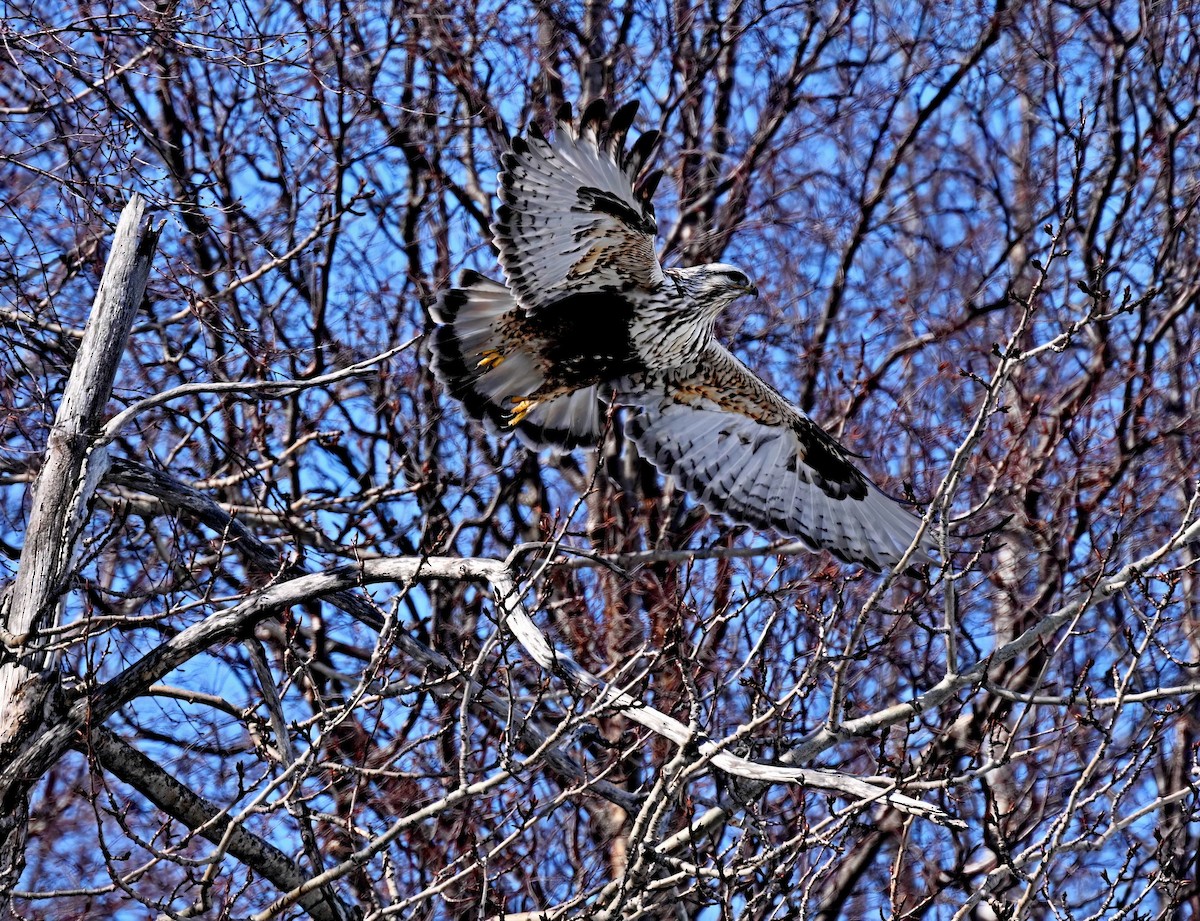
482,361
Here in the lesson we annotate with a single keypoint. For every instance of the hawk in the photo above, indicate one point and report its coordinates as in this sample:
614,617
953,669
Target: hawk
587,315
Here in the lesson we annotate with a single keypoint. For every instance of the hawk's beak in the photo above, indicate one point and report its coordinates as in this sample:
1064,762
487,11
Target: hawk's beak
752,290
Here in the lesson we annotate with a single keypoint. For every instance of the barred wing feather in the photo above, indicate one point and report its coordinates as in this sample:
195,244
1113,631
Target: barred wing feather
573,218
740,447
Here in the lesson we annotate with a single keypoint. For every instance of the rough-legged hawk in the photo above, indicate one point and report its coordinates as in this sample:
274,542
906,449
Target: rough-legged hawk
589,315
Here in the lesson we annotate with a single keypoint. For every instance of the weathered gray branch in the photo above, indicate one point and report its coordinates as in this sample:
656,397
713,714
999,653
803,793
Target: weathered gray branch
74,463
176,799
977,673
232,621
516,619
72,467
178,498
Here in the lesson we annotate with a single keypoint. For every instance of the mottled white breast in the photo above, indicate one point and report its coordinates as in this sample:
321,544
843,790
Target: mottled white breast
668,330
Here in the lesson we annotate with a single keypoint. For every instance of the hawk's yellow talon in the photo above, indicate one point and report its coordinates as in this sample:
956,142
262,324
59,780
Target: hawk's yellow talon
522,407
490,358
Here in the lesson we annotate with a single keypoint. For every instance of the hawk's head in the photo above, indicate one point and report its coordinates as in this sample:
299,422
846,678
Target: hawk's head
714,286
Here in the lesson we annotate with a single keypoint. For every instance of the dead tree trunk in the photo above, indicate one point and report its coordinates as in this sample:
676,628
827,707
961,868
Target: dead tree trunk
75,461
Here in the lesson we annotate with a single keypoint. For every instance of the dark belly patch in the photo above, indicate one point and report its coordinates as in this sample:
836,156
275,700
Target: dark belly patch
586,338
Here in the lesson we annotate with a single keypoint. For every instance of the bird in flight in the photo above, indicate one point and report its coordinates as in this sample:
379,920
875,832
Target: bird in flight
588,315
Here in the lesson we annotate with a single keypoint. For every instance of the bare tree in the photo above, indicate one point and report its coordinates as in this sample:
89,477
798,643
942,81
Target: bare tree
286,634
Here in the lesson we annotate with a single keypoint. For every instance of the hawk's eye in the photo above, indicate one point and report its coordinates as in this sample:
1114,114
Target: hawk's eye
737,278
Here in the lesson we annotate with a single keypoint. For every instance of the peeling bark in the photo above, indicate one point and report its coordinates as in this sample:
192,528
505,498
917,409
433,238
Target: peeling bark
75,461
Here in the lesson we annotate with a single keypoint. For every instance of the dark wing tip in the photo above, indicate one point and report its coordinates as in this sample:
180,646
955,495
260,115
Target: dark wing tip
618,130
645,189
623,118
594,116
640,153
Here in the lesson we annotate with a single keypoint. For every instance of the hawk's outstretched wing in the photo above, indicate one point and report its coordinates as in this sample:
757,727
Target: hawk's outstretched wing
736,443
573,217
